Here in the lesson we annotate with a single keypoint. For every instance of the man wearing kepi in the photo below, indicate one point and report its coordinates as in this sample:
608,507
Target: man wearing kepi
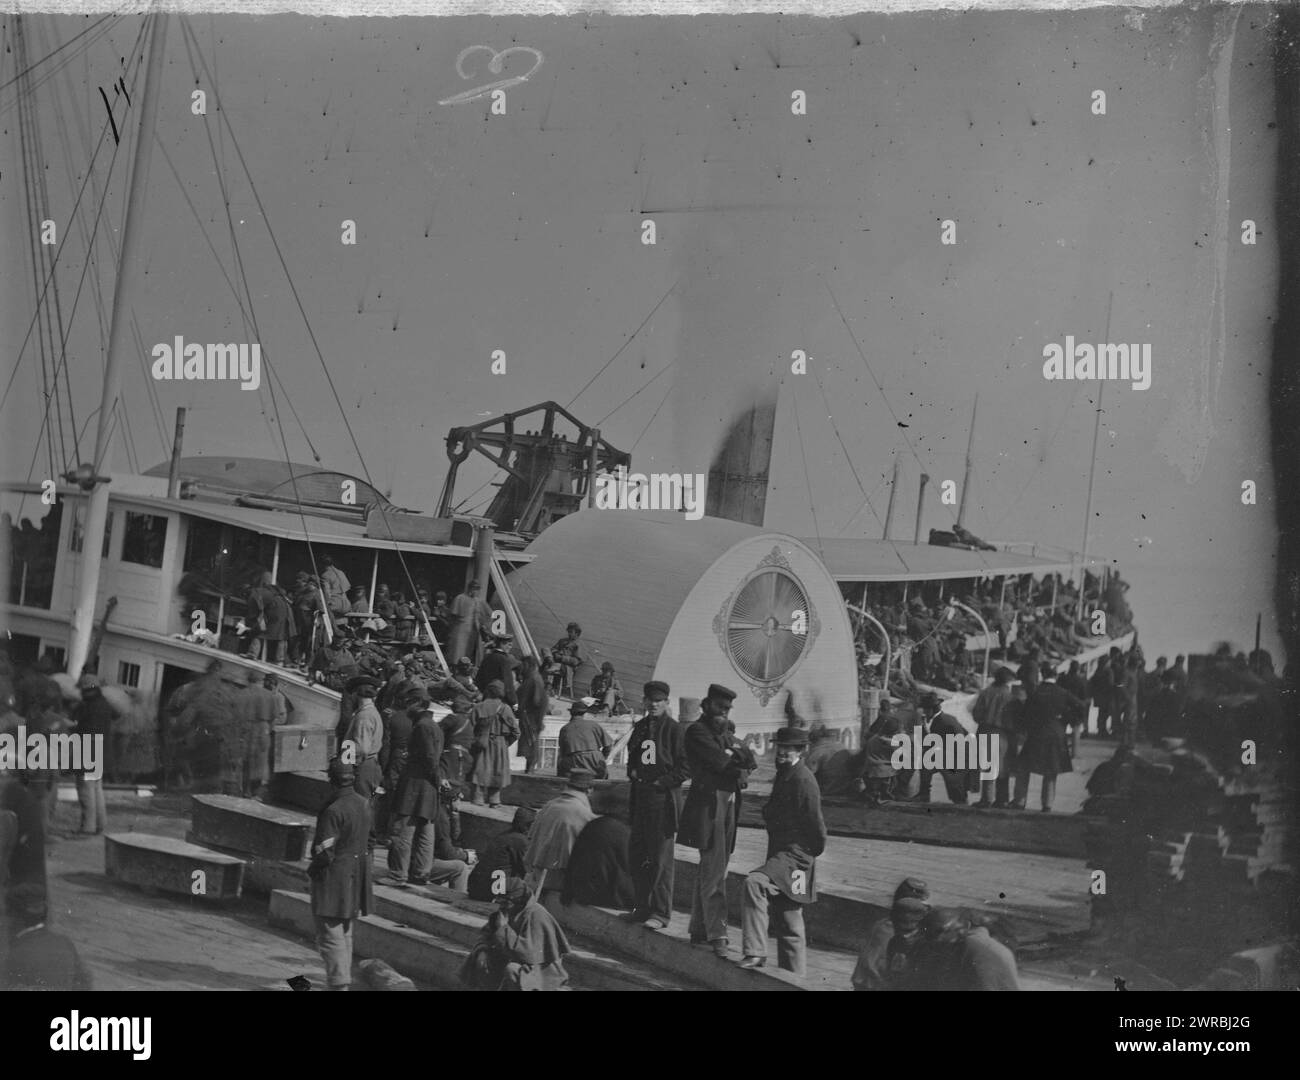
796,835
709,817
340,874
656,766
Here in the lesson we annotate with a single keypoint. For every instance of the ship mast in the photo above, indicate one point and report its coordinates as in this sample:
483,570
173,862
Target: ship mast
1092,474
965,483
83,612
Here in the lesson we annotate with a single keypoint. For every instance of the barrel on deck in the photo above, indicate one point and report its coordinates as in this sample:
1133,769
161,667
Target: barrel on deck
174,866
246,825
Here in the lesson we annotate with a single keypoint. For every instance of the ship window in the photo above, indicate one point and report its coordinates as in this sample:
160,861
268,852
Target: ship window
79,528
128,674
144,539
31,530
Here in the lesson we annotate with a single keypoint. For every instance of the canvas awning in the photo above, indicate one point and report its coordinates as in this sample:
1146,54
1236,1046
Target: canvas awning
851,560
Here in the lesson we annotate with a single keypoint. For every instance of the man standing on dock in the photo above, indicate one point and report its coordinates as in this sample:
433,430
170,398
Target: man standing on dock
709,817
796,835
257,708
656,766
340,874
365,731
471,619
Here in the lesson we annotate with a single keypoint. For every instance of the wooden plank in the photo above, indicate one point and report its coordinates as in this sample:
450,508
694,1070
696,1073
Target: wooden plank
170,865
245,825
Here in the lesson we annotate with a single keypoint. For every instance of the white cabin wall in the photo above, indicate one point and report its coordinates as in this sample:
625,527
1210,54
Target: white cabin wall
692,657
145,594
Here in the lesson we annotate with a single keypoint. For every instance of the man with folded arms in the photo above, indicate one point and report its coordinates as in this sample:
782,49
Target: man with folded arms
718,770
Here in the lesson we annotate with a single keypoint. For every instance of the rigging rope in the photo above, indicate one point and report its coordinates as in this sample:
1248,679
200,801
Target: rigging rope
835,428
626,343
59,253
879,388
311,333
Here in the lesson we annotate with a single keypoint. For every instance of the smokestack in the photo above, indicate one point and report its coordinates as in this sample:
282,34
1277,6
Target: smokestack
178,442
738,477
920,507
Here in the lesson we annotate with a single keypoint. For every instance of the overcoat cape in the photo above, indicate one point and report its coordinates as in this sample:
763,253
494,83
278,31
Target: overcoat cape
340,872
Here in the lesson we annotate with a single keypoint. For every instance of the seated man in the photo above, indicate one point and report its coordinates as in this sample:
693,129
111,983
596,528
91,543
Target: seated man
565,655
554,833
607,690
503,858
878,967
954,954
521,947
583,742
599,871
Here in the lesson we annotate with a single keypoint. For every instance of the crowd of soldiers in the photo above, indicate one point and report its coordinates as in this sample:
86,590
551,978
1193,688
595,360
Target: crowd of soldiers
929,639
419,767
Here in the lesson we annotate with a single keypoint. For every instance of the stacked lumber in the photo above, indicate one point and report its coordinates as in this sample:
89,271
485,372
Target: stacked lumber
1194,861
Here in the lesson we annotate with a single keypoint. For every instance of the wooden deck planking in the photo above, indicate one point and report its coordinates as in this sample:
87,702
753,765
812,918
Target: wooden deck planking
1043,893
133,940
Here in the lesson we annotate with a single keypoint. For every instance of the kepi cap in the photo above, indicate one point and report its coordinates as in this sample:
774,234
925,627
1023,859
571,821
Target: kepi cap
657,691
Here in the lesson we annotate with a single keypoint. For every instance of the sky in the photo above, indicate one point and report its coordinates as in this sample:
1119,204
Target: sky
775,232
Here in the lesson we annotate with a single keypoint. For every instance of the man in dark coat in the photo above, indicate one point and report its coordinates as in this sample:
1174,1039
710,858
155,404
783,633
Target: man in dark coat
92,716
940,723
656,767
955,954
1102,688
534,704
993,718
796,835
885,960
718,769
398,724
499,666
415,811
583,743
38,958
1048,712
340,874
503,858
598,873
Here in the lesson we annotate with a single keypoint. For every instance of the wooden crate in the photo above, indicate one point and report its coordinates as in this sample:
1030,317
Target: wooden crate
295,748
172,866
245,825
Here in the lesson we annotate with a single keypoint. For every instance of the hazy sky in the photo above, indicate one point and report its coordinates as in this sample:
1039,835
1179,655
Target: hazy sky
765,221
